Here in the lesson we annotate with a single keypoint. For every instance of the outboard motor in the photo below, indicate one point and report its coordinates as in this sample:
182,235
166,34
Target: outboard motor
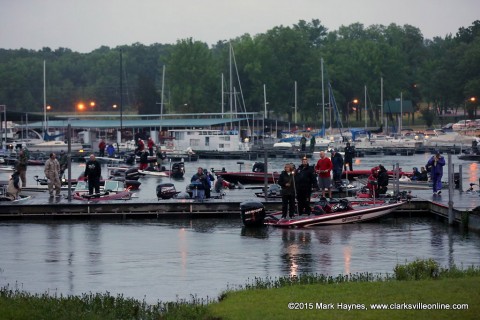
252,213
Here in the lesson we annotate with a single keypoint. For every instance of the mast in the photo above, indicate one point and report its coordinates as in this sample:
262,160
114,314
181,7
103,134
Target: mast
365,107
222,98
295,102
44,102
401,113
381,101
231,84
121,100
323,100
265,113
163,87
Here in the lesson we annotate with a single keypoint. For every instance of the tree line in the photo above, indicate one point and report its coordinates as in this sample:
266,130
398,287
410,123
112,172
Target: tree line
435,74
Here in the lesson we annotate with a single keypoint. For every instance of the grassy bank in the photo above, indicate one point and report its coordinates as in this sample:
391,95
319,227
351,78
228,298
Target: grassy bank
420,290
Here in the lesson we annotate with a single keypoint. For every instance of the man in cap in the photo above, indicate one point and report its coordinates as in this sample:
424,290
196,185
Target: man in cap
436,164
349,155
337,162
305,181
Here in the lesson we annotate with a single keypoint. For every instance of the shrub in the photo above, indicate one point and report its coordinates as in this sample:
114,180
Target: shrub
417,270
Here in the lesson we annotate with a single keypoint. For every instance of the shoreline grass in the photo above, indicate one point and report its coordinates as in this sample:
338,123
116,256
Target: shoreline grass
310,296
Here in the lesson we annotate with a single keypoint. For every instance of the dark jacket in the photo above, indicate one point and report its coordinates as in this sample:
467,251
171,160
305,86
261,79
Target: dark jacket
337,161
349,153
382,177
436,168
285,179
305,178
93,169
201,178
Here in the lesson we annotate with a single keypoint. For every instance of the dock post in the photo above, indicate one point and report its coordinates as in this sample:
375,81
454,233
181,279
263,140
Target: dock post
69,161
450,190
460,178
265,177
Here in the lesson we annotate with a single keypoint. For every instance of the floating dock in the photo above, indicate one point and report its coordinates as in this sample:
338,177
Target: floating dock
466,207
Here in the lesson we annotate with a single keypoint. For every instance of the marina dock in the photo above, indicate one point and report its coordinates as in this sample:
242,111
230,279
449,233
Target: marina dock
466,207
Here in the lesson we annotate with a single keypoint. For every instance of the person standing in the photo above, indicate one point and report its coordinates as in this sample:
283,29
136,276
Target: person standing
150,145
52,172
14,186
63,162
161,156
312,143
93,172
323,168
436,164
22,166
349,155
305,181
303,143
201,183
337,163
101,148
111,150
382,179
143,160
372,181
287,182
140,145
210,179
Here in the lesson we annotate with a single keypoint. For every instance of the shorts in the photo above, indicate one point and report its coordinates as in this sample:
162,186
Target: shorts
324,182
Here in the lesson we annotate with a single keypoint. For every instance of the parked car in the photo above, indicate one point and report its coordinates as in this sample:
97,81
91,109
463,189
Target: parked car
464,124
448,127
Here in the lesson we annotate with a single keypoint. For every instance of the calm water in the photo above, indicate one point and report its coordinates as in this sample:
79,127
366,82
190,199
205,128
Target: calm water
166,260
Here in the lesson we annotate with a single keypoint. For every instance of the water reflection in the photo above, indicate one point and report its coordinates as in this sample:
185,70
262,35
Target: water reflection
169,259
296,256
259,233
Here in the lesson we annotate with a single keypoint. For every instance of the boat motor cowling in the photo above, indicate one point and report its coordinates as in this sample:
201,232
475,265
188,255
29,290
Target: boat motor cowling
252,213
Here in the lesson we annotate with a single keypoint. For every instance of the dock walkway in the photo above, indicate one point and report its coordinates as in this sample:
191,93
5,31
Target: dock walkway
466,207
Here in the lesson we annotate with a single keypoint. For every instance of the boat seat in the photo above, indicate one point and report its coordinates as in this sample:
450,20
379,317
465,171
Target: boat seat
113,185
81,186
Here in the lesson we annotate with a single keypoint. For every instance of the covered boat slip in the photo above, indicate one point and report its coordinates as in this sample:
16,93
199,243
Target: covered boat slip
465,208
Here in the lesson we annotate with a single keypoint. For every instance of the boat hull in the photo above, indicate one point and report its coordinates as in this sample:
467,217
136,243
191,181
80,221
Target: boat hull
358,214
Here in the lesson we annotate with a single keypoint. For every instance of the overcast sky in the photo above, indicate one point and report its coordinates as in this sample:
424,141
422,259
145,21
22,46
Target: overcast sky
84,25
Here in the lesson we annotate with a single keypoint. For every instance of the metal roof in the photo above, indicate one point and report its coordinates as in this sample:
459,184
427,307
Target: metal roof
149,123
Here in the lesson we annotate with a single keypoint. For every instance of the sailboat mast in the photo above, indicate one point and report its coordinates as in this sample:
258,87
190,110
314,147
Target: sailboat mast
121,99
223,102
381,101
366,108
295,102
231,84
163,87
323,100
44,101
401,113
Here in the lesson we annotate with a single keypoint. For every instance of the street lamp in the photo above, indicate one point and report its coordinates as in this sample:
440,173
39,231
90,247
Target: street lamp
355,102
470,100
49,108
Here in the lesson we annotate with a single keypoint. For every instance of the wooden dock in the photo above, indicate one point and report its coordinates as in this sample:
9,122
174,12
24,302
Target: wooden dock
466,208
